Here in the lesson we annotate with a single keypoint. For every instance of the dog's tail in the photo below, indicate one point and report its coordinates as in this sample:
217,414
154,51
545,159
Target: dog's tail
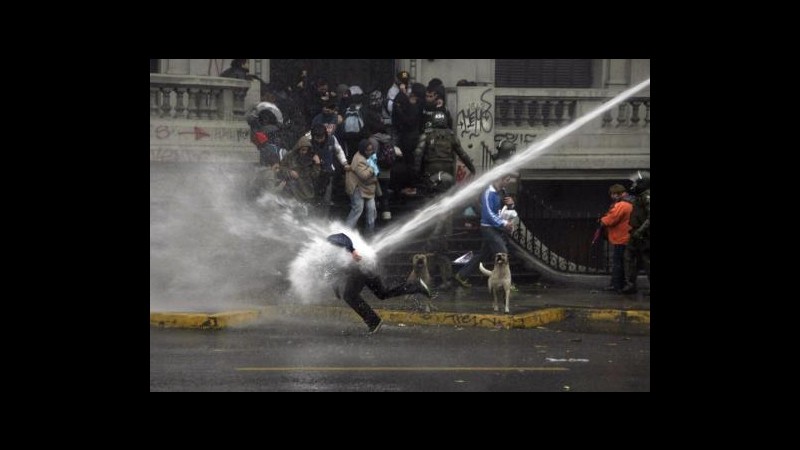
484,271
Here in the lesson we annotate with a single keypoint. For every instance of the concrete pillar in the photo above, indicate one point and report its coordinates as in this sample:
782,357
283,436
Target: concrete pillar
618,73
640,70
177,66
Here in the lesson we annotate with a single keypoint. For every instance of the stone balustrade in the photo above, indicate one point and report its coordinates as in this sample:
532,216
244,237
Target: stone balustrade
197,97
545,108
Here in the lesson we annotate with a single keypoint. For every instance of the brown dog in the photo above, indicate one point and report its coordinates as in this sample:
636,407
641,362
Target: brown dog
499,280
419,270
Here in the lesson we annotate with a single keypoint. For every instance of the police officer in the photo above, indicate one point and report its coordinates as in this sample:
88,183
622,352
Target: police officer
637,253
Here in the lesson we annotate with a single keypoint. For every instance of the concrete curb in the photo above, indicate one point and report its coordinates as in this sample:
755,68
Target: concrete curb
531,319
174,319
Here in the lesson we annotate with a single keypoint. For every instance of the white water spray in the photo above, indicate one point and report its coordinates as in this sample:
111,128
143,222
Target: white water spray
393,237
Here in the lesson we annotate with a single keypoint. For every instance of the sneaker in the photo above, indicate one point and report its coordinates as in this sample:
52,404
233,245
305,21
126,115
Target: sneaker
462,282
514,288
375,328
386,215
424,289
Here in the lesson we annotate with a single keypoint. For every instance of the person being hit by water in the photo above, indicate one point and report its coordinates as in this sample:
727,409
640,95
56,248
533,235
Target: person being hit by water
358,276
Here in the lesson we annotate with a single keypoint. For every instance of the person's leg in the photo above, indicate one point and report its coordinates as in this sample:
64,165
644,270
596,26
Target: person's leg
352,295
486,247
617,267
631,260
645,254
356,208
378,287
372,214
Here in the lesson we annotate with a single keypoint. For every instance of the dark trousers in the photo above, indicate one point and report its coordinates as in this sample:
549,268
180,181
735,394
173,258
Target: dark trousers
618,266
356,280
494,241
637,254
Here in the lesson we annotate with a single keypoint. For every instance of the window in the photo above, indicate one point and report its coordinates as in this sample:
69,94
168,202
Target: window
543,73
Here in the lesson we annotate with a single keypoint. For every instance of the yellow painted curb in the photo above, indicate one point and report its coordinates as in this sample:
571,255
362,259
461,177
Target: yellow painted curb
175,319
616,315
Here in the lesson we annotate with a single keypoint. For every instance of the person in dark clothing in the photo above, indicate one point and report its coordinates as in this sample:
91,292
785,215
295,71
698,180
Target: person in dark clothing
358,277
406,116
238,69
637,253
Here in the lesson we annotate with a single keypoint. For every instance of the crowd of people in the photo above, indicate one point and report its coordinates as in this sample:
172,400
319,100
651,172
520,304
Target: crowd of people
320,144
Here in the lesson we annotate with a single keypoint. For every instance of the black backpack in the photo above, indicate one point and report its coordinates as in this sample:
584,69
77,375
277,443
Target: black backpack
386,155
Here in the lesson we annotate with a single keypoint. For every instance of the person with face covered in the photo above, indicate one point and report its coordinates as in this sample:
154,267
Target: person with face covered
637,253
358,276
302,168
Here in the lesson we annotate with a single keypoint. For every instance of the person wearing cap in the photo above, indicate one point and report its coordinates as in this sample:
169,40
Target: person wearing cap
401,84
616,224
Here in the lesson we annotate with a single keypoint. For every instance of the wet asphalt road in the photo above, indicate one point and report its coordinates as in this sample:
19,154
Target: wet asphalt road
298,354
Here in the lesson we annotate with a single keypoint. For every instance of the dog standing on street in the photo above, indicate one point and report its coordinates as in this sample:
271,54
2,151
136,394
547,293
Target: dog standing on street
419,271
499,280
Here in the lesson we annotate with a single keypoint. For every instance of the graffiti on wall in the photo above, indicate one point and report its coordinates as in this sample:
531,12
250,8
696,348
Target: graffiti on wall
520,139
475,121
182,133
476,117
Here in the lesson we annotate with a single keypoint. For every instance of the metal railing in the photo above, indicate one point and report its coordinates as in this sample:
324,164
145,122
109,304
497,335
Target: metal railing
561,239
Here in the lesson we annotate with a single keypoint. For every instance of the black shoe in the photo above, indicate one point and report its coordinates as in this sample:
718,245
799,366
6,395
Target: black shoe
629,289
375,328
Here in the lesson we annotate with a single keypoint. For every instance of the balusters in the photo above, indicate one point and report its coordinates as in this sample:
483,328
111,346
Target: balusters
635,113
166,105
647,113
548,113
179,108
622,115
512,111
154,101
537,113
213,110
563,119
193,101
607,119
524,115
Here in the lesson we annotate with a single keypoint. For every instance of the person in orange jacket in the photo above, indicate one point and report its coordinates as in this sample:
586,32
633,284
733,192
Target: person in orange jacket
615,222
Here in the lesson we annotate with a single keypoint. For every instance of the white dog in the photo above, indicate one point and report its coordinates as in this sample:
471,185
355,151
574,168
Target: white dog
499,280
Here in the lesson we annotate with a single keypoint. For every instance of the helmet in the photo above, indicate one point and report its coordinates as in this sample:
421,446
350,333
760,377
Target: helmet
641,181
505,149
439,120
267,106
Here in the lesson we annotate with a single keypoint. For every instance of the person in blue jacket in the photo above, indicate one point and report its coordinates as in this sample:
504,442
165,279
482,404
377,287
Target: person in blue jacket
493,227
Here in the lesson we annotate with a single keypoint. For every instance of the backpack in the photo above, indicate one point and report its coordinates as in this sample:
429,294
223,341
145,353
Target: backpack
353,123
386,155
